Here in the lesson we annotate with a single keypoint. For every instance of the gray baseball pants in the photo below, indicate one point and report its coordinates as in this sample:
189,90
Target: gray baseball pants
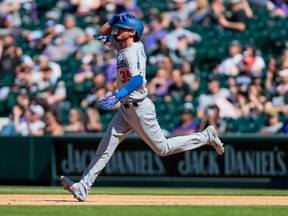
142,120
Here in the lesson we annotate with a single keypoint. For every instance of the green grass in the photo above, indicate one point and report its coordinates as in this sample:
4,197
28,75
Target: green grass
146,191
142,210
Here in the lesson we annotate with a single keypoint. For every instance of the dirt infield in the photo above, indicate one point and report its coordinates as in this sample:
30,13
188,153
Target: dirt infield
58,200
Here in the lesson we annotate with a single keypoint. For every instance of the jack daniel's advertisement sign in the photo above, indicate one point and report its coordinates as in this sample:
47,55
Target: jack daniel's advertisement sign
242,158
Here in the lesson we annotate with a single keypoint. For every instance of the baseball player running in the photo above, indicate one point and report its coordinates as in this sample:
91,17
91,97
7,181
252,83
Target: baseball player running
137,112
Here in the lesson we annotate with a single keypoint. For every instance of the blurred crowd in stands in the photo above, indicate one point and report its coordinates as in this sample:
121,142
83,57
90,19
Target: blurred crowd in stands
53,71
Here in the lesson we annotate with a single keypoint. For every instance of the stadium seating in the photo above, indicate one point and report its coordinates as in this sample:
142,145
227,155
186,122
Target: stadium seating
262,30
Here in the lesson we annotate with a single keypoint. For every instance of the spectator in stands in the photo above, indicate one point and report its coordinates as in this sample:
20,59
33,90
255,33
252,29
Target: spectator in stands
69,41
273,124
178,33
240,13
54,126
129,6
93,122
111,86
181,9
154,33
75,125
91,98
160,53
247,101
85,7
278,101
272,75
178,89
278,8
110,66
215,93
10,55
212,117
23,81
283,64
50,89
7,26
98,90
44,61
187,123
32,124
159,85
39,39
226,108
183,51
18,109
259,63
201,16
85,72
217,10
261,4
100,64
105,12
189,75
276,75
12,8
238,99
36,125
245,77
90,46
230,65
56,12
255,103
99,80
166,63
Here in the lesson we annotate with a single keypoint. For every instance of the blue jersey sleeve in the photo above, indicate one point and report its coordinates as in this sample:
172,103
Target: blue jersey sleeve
132,85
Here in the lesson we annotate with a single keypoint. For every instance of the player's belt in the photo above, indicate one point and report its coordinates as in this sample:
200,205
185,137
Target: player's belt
132,104
128,105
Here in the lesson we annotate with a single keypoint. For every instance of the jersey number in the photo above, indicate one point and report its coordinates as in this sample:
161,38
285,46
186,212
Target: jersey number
125,76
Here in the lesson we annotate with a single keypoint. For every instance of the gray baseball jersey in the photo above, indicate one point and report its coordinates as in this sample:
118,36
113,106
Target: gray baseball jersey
131,61
136,113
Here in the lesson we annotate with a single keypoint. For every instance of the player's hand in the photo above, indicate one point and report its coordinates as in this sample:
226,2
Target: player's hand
120,18
108,102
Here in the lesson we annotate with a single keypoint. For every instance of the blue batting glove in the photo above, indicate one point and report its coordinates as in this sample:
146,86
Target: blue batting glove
113,20
108,102
120,18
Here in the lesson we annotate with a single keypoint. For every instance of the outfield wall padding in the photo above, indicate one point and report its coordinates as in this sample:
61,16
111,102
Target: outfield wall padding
249,161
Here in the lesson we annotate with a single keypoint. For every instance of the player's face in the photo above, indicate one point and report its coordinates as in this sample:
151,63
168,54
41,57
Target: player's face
123,34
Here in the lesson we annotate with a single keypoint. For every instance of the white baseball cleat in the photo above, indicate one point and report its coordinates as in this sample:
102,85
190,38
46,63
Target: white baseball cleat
72,188
214,140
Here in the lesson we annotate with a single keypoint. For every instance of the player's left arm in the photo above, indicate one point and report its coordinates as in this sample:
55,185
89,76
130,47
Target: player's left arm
131,86
136,71
108,102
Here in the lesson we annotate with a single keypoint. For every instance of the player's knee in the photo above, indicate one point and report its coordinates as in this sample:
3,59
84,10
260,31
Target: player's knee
162,152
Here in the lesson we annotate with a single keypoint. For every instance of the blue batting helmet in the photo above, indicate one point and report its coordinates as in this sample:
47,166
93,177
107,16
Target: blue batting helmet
132,23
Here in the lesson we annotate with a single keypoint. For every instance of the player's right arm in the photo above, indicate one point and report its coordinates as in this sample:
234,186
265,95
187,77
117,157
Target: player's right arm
105,29
104,35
